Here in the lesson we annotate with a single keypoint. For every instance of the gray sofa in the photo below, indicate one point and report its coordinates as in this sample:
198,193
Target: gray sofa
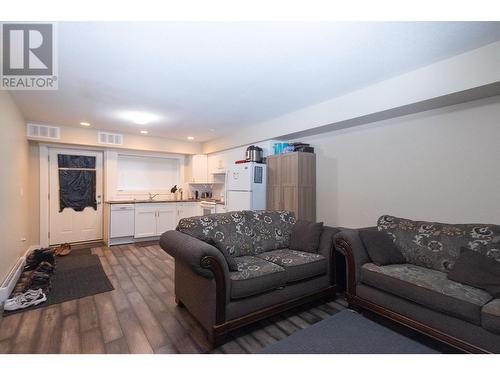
266,276
418,293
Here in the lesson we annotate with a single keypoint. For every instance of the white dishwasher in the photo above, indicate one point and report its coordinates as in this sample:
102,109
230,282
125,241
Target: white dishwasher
122,224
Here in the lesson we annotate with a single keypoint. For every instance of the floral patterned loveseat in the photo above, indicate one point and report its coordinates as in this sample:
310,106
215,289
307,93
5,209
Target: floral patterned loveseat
418,293
234,268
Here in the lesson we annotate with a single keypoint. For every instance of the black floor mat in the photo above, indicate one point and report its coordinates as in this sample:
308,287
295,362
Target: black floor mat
77,275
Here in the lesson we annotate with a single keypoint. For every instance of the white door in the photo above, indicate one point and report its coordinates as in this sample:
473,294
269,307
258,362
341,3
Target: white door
145,220
186,210
181,211
166,219
239,177
238,200
190,209
68,225
199,168
194,209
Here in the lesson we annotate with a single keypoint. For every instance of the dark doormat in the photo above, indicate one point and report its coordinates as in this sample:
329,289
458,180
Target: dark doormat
77,275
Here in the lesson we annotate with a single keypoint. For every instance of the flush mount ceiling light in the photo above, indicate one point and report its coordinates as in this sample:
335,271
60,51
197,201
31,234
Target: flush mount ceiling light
190,138
144,132
140,118
85,123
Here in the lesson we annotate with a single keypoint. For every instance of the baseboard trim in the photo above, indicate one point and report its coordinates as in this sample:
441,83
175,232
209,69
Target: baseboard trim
10,281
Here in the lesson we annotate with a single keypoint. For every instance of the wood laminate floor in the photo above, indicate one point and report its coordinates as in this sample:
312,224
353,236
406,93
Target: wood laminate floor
140,315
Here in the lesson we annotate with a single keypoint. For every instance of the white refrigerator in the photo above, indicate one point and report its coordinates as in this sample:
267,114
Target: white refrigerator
246,187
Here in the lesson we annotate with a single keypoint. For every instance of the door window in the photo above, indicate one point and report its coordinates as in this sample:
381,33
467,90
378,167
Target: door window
77,182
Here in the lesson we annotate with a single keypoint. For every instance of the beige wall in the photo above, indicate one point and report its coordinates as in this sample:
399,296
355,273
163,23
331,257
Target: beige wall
439,165
14,185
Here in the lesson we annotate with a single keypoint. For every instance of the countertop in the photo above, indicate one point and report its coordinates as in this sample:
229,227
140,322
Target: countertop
128,201
131,201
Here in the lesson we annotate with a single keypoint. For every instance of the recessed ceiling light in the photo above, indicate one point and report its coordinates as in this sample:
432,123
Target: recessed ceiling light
144,132
191,138
85,123
140,118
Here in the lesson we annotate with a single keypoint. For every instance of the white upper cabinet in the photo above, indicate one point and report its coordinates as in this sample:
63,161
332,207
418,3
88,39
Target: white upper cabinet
197,169
216,164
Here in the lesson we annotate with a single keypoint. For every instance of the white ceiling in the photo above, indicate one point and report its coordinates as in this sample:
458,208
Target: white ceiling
206,79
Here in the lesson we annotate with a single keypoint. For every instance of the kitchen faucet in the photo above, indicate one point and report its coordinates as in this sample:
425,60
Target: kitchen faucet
152,196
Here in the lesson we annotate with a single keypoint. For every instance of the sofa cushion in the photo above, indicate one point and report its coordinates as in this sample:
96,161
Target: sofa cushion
437,245
305,236
299,265
231,263
380,247
491,316
255,276
474,269
229,231
271,229
429,288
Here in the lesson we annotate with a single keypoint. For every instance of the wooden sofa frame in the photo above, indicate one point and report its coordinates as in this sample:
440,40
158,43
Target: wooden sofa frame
222,326
357,303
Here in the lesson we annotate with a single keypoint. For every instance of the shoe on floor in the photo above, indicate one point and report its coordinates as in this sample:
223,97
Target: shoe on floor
25,300
40,280
38,256
33,293
45,267
63,250
23,283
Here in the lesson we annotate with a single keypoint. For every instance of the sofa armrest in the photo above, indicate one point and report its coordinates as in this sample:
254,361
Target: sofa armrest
194,252
205,260
348,243
327,248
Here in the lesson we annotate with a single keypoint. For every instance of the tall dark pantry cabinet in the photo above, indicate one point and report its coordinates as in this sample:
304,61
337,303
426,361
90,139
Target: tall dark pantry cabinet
291,184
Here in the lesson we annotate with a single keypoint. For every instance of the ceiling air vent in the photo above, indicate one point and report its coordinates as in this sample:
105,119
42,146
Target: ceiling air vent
110,139
43,131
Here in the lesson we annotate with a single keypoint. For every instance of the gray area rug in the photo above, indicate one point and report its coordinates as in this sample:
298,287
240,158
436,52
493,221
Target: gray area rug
77,275
347,333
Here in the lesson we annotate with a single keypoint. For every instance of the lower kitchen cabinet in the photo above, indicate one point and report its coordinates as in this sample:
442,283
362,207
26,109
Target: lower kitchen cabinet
166,218
145,220
127,223
188,209
153,219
